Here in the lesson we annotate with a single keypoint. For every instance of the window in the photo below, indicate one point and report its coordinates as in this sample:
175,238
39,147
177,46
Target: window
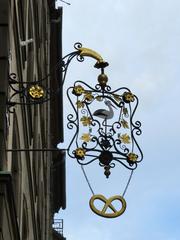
21,22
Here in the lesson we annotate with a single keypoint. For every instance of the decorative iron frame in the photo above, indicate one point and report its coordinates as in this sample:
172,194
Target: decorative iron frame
109,145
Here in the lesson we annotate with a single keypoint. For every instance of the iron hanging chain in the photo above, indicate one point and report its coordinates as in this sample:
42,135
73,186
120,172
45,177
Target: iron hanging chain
90,187
87,180
127,185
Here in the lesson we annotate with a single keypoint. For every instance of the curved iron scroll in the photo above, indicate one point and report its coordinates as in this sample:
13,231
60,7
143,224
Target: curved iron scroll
37,92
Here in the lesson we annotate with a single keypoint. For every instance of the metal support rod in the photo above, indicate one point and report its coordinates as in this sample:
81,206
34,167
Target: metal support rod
3,58
34,150
3,25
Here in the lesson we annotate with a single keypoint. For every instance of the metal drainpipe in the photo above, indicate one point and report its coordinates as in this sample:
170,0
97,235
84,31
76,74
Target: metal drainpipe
4,52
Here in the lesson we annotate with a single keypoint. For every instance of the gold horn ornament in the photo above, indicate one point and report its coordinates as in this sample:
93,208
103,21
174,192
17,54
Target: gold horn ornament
87,52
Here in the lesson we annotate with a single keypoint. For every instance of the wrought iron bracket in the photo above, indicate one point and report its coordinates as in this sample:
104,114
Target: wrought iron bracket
80,53
35,150
36,92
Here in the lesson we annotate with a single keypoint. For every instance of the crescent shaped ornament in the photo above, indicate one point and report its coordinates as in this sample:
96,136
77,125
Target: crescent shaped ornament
87,52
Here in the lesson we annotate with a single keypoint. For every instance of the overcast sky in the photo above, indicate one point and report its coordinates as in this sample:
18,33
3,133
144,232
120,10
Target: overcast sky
141,41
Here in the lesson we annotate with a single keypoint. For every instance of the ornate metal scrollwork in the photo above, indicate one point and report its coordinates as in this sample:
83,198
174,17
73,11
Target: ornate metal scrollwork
37,92
104,129
31,92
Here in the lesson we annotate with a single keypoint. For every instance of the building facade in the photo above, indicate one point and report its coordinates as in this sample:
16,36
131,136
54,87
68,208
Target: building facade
30,165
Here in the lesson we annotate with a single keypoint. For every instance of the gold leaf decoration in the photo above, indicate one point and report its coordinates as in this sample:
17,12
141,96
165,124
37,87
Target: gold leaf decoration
86,137
36,91
132,157
78,90
125,111
125,138
124,123
80,153
86,121
128,97
117,97
98,98
88,96
79,104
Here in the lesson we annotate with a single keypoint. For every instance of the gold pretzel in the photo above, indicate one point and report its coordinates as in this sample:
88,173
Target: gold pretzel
108,204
